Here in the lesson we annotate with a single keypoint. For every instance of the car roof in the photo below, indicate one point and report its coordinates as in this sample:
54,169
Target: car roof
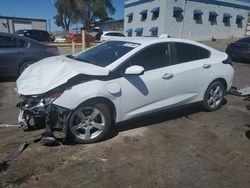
152,40
105,32
20,37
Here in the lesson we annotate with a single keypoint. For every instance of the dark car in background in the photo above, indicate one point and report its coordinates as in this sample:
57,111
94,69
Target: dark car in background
17,53
38,35
240,49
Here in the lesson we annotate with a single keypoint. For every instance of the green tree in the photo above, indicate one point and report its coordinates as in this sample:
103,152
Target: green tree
66,13
91,10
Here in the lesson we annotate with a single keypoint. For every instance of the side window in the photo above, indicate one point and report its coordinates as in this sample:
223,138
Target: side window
153,57
8,42
109,34
204,53
21,43
188,52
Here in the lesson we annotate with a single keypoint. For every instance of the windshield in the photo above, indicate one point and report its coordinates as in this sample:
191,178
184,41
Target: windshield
106,53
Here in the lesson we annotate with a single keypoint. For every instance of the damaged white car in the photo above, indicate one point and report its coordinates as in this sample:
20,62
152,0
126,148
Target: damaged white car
84,94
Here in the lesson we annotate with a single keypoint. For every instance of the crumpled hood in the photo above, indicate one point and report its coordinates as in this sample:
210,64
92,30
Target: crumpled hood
51,72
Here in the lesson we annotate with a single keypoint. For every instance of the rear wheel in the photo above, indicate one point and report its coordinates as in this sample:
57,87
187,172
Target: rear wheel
214,96
89,123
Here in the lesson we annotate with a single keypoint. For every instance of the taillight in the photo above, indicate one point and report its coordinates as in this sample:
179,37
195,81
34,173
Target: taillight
53,51
228,61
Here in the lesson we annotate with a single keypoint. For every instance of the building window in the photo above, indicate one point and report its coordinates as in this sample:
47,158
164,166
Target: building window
139,32
239,20
154,31
213,17
144,14
178,14
198,16
226,19
177,11
130,17
129,31
155,13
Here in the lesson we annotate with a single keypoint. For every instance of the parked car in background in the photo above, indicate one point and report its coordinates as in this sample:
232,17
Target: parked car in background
119,80
17,53
38,35
240,49
111,35
78,38
60,39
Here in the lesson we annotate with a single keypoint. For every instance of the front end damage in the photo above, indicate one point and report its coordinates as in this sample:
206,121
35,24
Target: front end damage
38,112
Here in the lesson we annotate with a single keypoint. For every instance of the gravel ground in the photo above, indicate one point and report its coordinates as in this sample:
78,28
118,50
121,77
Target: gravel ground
185,148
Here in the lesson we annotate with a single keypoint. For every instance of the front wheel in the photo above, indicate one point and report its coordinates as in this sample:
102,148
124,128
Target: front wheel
89,123
214,96
24,66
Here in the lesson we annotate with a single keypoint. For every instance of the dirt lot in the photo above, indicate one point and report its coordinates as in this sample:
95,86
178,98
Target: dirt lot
185,148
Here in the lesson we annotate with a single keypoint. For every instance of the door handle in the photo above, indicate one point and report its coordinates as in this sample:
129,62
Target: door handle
168,76
206,66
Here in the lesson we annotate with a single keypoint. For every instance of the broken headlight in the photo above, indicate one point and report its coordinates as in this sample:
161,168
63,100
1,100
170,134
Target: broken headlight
51,98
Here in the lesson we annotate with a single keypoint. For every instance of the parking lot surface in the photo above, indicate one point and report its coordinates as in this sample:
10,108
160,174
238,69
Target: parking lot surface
184,148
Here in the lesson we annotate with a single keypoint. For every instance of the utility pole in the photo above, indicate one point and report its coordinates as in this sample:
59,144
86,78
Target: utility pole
49,26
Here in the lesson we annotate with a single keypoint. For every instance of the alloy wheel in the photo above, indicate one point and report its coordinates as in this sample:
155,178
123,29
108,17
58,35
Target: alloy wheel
87,123
215,96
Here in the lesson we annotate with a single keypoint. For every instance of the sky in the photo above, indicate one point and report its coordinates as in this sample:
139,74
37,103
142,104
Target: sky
43,9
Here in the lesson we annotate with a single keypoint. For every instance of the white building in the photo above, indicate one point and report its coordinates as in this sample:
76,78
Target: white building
12,24
200,19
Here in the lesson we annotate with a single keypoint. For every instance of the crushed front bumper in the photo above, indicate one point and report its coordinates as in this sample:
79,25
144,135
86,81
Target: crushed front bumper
38,113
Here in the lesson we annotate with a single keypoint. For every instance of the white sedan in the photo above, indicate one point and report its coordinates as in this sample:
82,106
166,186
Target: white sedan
84,94
111,35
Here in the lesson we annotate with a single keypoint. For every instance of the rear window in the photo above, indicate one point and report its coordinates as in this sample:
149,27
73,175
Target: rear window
21,43
34,32
189,52
115,34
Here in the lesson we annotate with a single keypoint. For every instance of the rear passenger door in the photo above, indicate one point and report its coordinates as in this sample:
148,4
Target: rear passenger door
8,55
191,69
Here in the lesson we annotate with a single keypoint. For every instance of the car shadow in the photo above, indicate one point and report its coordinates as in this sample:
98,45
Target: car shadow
242,61
248,134
154,118
8,79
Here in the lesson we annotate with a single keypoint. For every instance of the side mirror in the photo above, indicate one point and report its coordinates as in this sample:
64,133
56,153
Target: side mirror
134,70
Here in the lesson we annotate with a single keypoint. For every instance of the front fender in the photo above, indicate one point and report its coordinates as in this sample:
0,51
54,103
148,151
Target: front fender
78,94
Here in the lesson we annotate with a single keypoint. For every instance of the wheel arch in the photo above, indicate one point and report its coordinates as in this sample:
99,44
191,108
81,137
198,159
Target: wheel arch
105,101
25,61
222,80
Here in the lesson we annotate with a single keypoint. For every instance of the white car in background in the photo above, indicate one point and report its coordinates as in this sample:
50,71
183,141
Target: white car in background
60,39
82,95
111,35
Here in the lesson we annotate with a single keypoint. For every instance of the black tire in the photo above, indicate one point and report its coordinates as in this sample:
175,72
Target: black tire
71,133
217,99
24,65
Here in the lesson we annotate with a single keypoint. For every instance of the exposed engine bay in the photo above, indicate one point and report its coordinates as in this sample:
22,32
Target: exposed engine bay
37,113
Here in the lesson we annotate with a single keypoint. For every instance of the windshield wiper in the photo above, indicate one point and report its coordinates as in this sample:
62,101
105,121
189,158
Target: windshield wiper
70,56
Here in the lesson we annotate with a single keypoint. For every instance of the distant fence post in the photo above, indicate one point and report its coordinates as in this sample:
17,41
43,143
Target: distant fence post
83,40
189,35
73,47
